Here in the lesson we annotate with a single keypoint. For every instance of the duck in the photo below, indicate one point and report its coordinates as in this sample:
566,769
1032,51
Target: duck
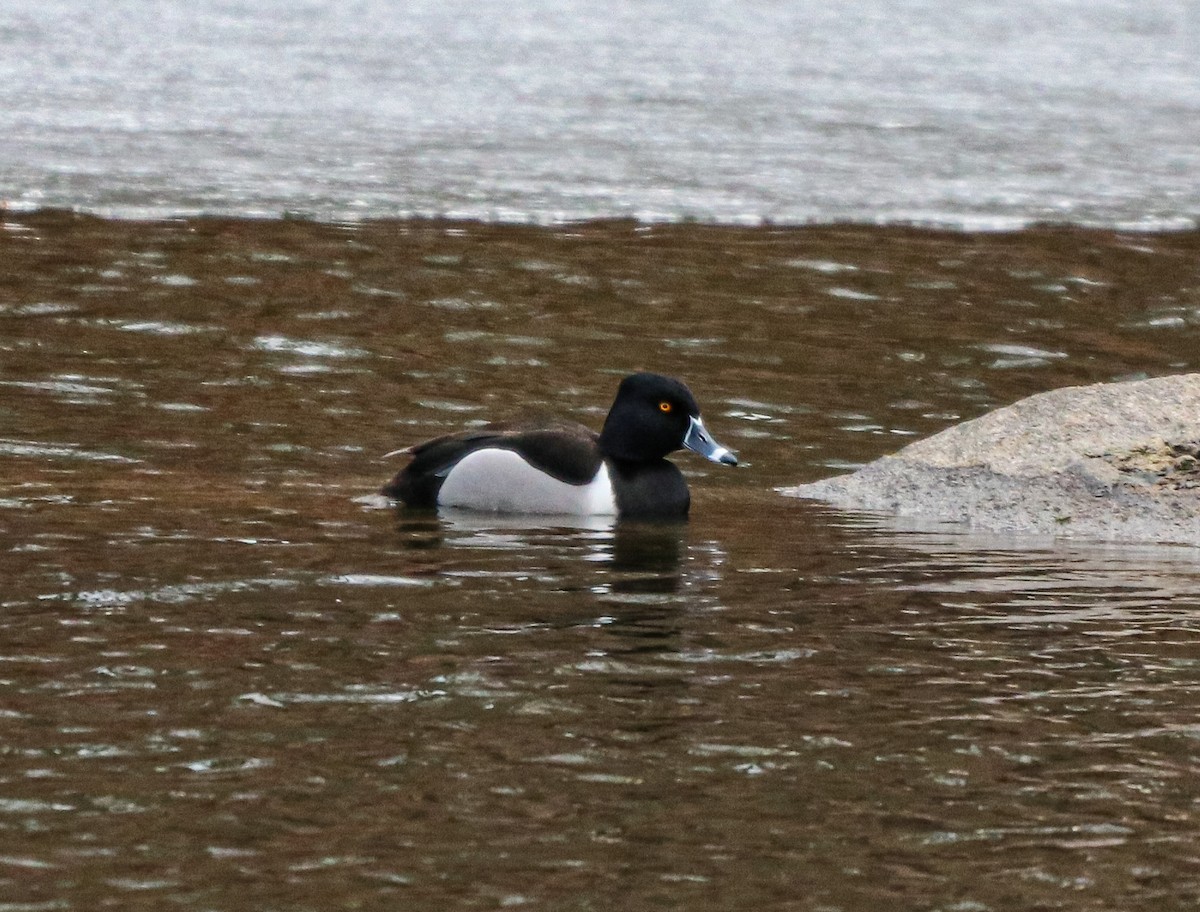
566,468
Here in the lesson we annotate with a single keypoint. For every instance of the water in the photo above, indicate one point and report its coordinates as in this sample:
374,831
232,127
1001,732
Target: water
971,114
230,681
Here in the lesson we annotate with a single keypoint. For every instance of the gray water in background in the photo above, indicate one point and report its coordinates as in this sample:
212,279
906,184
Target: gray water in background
975,114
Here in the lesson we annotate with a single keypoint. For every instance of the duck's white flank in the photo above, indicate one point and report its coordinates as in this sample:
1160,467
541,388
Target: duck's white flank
501,481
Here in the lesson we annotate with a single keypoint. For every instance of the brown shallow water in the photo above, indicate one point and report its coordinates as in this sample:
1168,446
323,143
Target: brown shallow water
230,681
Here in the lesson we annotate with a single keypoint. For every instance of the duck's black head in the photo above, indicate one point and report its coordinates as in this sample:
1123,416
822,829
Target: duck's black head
655,415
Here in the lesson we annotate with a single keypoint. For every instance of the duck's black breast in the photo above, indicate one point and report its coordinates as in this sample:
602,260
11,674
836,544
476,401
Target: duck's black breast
649,490
563,450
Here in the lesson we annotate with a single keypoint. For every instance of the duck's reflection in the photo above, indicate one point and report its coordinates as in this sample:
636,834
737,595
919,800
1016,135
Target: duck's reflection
616,557
648,557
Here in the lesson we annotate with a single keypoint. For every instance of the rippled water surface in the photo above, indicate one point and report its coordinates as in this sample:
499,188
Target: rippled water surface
959,112
232,681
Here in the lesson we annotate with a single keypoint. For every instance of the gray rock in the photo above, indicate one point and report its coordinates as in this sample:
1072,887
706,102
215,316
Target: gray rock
1114,461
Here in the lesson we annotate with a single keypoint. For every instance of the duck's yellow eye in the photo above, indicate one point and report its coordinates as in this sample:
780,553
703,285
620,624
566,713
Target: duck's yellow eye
665,406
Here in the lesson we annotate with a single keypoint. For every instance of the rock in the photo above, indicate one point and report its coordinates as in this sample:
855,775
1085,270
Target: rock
1114,461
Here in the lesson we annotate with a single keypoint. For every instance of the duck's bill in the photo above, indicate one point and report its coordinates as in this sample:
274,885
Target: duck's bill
699,440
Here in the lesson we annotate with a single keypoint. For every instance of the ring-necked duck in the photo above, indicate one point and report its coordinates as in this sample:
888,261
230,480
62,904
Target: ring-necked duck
563,467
